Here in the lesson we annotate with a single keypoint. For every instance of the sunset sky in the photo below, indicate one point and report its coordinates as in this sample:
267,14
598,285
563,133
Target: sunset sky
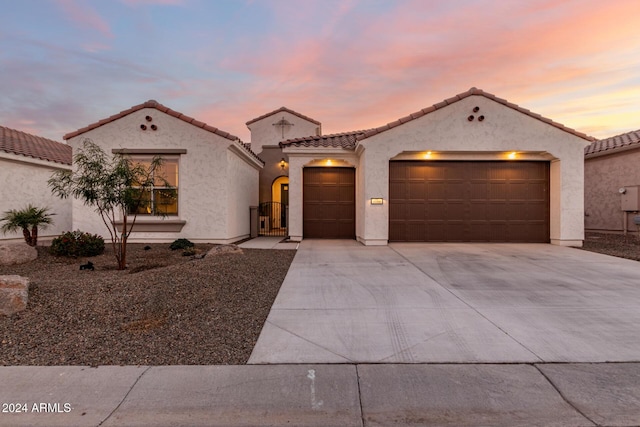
350,64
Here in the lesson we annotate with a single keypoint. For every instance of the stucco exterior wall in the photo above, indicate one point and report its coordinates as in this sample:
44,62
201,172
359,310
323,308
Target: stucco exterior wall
603,176
503,130
242,192
24,182
263,132
204,177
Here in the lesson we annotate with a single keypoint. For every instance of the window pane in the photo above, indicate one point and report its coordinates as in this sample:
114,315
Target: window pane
146,164
166,201
141,203
167,174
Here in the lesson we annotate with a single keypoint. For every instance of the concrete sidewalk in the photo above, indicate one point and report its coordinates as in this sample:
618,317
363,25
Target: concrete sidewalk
323,395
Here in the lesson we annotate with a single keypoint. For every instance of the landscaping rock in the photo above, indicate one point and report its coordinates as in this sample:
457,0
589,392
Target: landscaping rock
224,249
14,294
16,253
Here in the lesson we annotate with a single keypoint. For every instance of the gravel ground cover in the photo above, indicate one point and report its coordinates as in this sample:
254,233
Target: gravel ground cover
619,245
165,309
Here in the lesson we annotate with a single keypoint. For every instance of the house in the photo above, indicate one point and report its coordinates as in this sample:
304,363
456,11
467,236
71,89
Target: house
213,175
473,168
612,180
26,164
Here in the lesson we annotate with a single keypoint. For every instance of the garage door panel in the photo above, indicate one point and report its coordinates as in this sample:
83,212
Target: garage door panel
479,190
470,201
328,203
436,190
436,209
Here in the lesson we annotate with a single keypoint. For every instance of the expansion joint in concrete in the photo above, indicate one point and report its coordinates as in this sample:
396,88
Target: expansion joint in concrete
125,396
567,401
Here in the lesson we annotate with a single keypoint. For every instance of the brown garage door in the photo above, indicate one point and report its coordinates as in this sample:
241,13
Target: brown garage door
452,201
329,210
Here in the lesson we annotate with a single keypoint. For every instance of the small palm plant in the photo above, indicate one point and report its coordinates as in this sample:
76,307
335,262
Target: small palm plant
27,219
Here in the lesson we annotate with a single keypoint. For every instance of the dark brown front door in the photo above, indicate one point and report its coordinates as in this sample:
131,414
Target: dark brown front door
449,201
329,203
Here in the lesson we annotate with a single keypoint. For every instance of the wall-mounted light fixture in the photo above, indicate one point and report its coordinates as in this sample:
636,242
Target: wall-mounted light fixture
377,201
283,163
427,155
512,155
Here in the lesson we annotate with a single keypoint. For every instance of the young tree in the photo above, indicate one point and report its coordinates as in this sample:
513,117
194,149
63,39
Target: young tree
116,187
27,219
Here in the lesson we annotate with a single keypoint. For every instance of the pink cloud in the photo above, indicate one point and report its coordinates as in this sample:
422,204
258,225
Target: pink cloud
84,16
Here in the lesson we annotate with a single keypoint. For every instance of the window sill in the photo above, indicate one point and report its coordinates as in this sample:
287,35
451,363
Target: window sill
156,226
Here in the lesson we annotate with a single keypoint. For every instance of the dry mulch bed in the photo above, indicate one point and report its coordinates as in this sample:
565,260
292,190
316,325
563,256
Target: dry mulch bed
619,245
165,309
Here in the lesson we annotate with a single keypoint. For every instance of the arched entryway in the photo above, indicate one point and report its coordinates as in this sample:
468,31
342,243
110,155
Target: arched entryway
274,214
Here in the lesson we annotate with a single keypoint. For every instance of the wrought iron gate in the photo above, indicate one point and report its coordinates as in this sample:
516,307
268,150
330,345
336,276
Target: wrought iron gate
272,219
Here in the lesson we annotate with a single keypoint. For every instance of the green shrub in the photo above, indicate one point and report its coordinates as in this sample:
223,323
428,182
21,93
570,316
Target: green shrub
181,244
77,243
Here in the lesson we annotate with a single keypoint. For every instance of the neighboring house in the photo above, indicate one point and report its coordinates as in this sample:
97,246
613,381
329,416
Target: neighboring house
473,168
213,173
612,180
26,164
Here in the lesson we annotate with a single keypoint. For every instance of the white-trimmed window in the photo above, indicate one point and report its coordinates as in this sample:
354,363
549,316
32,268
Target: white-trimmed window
162,197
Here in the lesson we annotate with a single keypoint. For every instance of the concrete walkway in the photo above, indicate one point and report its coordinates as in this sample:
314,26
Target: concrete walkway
266,242
342,302
323,395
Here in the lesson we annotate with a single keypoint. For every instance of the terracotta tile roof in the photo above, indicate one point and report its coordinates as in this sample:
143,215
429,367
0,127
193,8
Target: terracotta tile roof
21,143
281,109
345,140
623,141
471,92
155,104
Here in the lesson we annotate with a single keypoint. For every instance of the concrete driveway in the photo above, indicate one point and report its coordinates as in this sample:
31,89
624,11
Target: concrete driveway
342,302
